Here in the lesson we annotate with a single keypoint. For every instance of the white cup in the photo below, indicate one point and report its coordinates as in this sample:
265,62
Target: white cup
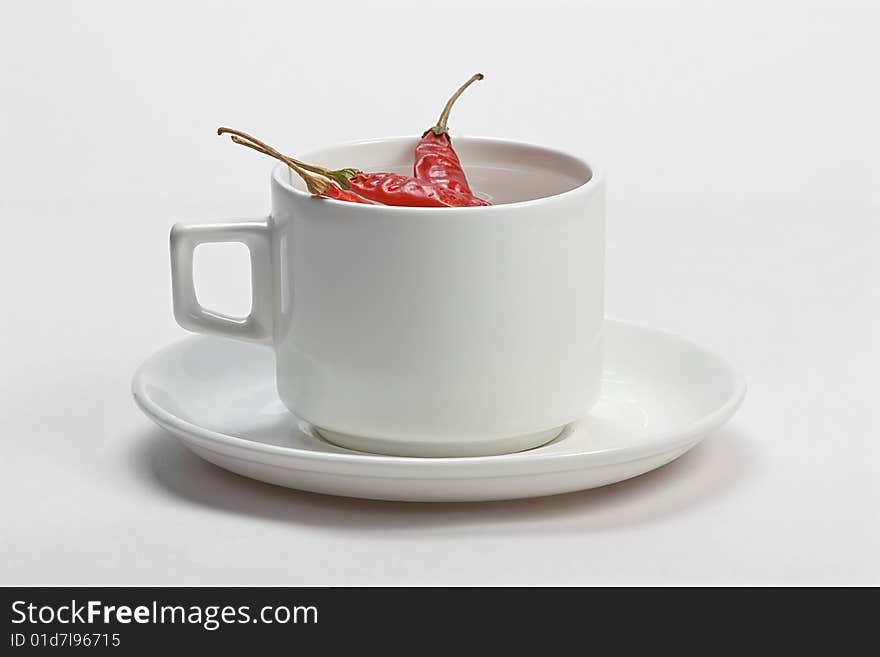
425,331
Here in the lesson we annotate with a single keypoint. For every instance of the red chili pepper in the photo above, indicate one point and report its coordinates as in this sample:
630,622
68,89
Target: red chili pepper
335,192
435,159
359,187
397,189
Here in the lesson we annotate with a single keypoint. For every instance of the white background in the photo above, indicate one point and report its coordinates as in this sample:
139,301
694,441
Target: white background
741,147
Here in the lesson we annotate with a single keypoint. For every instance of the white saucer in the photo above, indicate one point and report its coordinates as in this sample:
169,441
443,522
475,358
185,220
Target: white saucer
661,395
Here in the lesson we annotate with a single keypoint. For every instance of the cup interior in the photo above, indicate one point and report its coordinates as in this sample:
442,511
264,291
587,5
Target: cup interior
498,171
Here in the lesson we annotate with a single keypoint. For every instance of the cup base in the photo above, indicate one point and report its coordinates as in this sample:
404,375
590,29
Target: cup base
493,447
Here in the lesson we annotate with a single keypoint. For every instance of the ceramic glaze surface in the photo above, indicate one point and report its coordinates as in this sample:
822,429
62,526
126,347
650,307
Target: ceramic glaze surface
660,396
427,331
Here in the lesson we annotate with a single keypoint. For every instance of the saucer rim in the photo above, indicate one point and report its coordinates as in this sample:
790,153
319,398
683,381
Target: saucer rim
653,444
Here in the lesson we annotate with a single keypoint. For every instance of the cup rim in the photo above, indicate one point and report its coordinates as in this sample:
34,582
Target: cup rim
596,178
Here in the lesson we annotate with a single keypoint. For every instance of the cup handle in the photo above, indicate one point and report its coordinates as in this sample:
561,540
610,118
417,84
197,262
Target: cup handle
189,313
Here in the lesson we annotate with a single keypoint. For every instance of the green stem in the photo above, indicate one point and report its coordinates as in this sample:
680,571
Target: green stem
441,128
341,176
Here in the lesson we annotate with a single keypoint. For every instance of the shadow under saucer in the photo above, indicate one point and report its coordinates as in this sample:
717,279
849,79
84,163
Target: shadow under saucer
724,460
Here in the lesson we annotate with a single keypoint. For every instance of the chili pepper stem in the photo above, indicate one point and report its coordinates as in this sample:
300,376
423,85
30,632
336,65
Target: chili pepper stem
315,185
440,128
341,177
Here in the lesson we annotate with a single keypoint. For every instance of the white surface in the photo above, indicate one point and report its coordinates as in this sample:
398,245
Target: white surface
423,331
741,148
661,395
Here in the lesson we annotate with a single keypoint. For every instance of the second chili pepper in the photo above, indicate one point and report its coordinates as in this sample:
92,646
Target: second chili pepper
385,188
435,159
